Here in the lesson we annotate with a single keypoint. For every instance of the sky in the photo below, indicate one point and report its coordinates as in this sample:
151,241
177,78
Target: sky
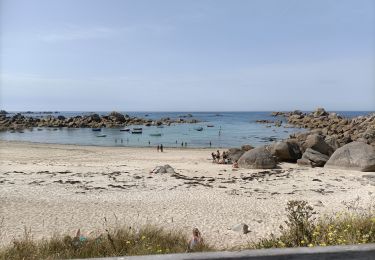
187,55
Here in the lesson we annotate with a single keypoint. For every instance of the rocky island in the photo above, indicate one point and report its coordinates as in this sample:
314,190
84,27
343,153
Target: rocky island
112,120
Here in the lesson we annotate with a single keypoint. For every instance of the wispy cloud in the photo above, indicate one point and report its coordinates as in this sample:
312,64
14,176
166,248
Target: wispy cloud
73,33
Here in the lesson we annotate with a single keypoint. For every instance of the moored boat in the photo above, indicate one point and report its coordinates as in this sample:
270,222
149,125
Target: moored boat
137,128
96,129
101,135
210,126
125,130
199,128
156,134
136,131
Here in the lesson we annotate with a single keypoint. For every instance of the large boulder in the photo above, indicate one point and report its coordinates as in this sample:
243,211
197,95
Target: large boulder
312,158
320,112
286,151
355,156
317,143
235,153
257,158
117,117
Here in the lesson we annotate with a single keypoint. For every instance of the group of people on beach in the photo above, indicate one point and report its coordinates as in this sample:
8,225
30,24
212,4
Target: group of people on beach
220,158
223,158
160,148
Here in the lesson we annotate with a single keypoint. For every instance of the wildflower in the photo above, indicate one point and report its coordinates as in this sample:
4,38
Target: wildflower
128,242
143,237
323,244
159,251
302,242
310,245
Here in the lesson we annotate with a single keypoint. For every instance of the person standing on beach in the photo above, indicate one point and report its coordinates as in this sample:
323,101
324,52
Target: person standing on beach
210,144
158,148
213,157
182,144
218,156
161,148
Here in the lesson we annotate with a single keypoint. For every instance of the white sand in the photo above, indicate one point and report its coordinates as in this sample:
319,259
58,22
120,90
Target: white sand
32,195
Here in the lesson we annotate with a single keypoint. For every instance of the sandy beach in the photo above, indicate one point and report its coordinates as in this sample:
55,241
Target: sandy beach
56,189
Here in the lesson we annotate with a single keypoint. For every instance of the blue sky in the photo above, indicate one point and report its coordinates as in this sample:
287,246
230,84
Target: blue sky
187,55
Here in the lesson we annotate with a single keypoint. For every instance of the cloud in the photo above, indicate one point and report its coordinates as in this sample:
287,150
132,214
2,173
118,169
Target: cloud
74,33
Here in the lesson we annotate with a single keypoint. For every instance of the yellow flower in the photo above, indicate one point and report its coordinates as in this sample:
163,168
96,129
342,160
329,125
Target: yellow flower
143,237
310,245
323,244
128,242
159,251
302,242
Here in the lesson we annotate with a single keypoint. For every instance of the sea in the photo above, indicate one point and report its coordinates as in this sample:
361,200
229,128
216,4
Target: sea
220,130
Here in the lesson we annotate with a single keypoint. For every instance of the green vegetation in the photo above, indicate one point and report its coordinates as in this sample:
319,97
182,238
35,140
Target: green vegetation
302,229
120,242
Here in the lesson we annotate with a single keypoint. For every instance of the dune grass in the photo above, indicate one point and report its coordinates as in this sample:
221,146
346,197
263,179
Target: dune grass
120,242
301,229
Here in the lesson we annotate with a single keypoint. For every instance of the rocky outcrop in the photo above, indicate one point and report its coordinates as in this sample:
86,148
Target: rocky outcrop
356,156
286,151
114,119
313,158
344,130
317,143
257,158
235,153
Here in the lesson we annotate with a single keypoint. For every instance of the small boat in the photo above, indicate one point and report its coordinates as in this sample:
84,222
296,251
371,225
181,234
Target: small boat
125,130
96,129
137,128
199,128
155,134
136,131
101,135
160,126
40,129
210,126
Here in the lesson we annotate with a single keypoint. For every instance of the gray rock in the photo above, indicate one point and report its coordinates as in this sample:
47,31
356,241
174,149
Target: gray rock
317,143
235,153
241,228
312,158
163,169
320,112
286,151
257,158
355,156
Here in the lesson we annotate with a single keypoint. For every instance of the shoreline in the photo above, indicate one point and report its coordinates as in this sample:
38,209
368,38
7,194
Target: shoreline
59,188
119,147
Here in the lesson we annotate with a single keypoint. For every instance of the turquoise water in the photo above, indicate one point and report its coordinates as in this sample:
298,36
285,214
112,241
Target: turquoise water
231,129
